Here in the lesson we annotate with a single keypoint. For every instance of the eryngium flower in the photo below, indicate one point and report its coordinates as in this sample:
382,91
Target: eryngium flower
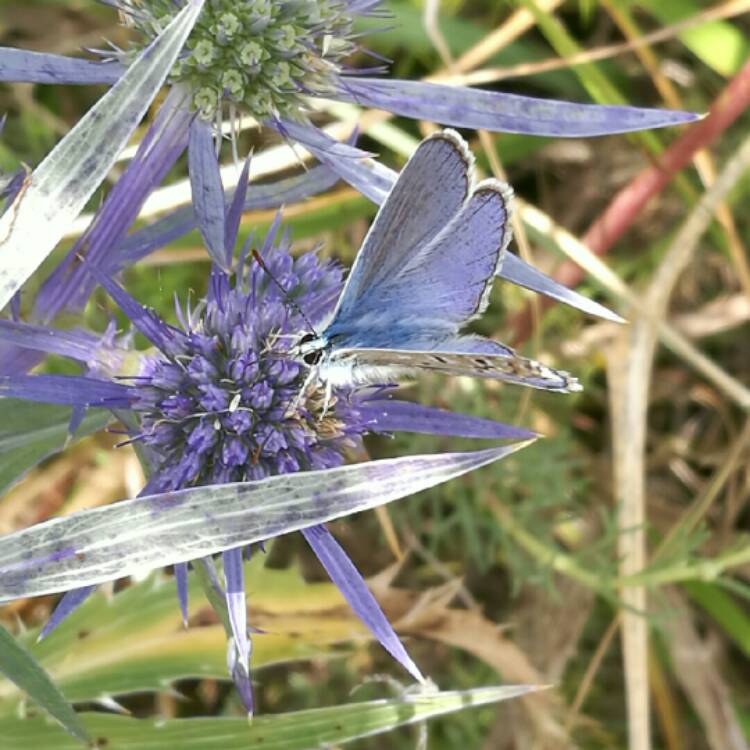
261,55
219,400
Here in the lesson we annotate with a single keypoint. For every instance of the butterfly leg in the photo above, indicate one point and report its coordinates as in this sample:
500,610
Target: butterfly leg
292,408
326,399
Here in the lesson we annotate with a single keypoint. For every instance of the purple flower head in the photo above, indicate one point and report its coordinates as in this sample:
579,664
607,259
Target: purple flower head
220,400
223,402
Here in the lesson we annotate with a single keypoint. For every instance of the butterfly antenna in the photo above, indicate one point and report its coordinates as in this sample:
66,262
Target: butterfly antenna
292,303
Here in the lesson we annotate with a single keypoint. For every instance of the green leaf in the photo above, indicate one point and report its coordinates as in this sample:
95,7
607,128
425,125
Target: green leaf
720,605
131,536
29,432
60,186
19,666
718,44
135,641
301,730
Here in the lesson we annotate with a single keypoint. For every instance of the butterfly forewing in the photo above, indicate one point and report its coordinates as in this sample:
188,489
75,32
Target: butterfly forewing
430,190
435,291
425,269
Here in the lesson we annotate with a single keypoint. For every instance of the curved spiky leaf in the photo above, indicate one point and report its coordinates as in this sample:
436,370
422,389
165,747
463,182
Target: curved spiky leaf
301,730
117,540
19,666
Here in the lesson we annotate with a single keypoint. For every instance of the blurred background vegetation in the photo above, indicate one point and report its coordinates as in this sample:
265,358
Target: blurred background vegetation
523,572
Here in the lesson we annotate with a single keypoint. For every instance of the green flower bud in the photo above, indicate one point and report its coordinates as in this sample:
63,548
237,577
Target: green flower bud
229,24
233,82
204,52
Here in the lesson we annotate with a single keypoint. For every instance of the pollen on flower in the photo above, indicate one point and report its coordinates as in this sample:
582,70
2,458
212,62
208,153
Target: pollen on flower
259,55
224,406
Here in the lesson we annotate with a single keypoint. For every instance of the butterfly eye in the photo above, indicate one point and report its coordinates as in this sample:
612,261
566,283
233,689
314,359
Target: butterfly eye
312,358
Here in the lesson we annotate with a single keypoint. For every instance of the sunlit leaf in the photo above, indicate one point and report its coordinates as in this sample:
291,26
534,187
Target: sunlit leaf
301,730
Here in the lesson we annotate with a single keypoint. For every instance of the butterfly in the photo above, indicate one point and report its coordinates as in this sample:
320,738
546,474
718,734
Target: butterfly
425,269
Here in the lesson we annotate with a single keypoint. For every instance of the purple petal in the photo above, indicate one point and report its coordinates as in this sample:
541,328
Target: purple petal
208,193
77,413
351,164
517,271
465,107
360,7
181,583
20,65
241,677
69,602
236,207
354,589
169,339
235,598
70,284
393,415
79,345
73,390
145,240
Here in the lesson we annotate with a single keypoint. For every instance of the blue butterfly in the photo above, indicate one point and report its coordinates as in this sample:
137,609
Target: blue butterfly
425,269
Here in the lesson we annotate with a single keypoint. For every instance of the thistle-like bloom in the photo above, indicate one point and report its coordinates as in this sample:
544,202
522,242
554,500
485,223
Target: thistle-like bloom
214,403
219,400
262,56
270,60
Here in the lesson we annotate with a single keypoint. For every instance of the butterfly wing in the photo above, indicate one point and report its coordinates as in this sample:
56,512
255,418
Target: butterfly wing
379,365
429,192
434,291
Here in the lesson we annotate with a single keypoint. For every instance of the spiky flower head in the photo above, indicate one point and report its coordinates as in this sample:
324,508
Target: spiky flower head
261,55
223,402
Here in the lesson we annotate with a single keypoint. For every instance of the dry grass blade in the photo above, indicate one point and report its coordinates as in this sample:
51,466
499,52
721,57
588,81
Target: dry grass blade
687,522
468,630
519,22
582,256
630,367
605,52
702,161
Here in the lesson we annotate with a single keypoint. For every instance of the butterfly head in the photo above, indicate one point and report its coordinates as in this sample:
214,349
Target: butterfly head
309,349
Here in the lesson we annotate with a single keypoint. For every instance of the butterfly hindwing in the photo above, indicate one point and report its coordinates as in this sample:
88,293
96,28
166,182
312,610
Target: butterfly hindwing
510,368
